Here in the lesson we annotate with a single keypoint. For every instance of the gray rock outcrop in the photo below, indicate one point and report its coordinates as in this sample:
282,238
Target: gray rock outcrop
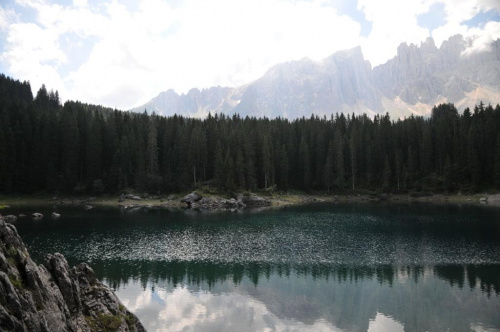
133,197
10,218
191,198
53,296
416,79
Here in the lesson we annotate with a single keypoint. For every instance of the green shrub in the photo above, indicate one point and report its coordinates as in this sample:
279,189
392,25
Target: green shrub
16,282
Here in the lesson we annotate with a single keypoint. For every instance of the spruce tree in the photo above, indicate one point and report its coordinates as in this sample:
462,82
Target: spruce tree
339,159
497,163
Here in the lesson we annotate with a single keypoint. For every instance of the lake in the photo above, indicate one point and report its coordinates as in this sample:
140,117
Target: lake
321,267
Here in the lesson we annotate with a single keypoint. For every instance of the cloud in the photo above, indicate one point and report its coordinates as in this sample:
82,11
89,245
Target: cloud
6,16
121,55
393,22
196,44
482,38
181,308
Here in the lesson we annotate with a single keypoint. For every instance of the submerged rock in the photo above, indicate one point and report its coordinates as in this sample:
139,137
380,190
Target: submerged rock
37,215
55,215
54,297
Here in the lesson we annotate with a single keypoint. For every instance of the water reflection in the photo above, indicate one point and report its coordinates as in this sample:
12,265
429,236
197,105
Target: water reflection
485,278
212,297
382,322
322,267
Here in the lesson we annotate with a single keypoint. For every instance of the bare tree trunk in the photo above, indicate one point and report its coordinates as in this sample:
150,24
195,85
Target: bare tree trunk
194,175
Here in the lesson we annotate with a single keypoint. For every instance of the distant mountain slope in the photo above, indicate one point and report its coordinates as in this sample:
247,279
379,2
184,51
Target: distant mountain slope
416,79
195,103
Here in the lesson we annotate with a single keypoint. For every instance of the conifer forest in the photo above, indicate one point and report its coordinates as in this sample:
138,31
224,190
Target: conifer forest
46,147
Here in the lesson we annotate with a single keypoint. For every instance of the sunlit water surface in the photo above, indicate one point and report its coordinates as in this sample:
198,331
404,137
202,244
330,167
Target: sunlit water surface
325,267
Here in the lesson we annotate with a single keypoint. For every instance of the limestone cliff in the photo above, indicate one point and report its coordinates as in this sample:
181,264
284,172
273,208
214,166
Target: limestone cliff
53,297
416,79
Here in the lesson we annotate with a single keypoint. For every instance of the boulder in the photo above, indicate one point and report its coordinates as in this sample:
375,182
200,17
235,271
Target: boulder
37,215
55,215
133,197
494,199
10,218
191,198
205,201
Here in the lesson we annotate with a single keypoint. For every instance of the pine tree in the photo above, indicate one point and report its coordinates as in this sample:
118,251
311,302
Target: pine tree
329,175
283,168
228,171
152,166
426,152
386,177
266,161
399,166
339,159
69,148
220,175
94,153
251,178
239,170
473,160
497,163
353,144
304,164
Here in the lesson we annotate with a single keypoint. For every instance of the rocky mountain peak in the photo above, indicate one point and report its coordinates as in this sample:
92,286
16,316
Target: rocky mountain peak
412,82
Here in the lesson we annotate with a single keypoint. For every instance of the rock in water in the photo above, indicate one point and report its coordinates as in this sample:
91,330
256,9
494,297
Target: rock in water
56,215
37,215
54,297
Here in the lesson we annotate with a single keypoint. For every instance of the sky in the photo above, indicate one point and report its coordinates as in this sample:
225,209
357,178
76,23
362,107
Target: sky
122,53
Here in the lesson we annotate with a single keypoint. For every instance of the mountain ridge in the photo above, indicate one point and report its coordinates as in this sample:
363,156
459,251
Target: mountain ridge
412,82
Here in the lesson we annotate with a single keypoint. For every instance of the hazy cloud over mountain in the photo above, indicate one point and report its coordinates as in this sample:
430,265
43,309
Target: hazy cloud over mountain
120,53
412,82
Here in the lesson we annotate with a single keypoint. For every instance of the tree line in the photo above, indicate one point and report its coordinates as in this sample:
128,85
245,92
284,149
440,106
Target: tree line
82,148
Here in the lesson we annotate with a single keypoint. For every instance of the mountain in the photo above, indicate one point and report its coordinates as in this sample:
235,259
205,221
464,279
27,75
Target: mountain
195,103
412,82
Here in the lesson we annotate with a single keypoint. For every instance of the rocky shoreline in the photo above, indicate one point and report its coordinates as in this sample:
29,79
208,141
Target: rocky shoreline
214,202
52,296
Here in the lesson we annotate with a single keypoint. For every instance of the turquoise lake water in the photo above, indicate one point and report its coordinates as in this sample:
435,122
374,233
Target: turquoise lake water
321,267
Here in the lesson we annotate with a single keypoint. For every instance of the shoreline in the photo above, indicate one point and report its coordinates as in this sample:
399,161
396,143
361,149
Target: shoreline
272,200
